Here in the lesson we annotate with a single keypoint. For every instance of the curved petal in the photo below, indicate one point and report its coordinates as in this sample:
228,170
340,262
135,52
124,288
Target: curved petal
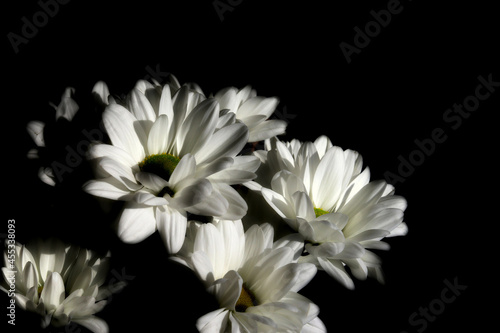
53,291
335,269
228,141
172,226
266,130
158,136
137,222
124,131
93,323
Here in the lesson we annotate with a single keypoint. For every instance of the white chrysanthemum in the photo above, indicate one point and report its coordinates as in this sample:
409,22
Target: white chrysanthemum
255,281
252,110
61,283
169,157
66,109
322,192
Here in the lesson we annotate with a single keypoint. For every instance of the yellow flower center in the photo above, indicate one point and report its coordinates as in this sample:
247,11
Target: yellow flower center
162,165
319,212
246,300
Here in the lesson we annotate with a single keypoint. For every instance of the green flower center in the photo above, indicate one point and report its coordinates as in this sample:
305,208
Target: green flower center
319,212
246,299
162,165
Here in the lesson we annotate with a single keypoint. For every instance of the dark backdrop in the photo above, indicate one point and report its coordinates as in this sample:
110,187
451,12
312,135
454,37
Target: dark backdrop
378,94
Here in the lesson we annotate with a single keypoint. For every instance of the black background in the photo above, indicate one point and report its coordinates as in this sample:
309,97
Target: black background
396,90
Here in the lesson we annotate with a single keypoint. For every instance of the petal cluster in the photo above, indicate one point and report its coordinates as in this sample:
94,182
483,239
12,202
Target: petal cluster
255,280
324,194
176,159
62,283
182,124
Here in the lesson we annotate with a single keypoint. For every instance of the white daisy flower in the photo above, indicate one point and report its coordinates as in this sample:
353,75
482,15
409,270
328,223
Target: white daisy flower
168,158
255,281
61,283
66,109
322,192
252,110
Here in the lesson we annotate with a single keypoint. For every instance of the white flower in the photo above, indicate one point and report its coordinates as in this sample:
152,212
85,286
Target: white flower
66,109
252,110
322,192
169,157
255,281
61,283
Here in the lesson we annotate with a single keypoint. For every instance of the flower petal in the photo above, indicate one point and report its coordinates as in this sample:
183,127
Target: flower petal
228,141
171,225
335,269
53,291
137,222
124,131
158,136
93,323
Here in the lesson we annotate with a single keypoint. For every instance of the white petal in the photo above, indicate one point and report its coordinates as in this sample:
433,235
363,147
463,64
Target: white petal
322,144
184,169
107,188
278,203
227,141
166,106
67,108
314,326
151,181
124,131
367,196
158,136
215,321
53,291
228,289
35,130
400,230
171,225
148,199
210,241
192,193
93,323
137,222
120,172
113,152
198,127
140,107
266,130
327,182
101,90
335,269
236,206
258,106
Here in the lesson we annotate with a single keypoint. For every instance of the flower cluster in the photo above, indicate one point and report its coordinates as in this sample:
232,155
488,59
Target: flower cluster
176,159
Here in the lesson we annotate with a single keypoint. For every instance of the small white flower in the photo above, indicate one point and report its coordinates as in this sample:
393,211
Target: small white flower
168,158
321,191
255,281
62,283
252,110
